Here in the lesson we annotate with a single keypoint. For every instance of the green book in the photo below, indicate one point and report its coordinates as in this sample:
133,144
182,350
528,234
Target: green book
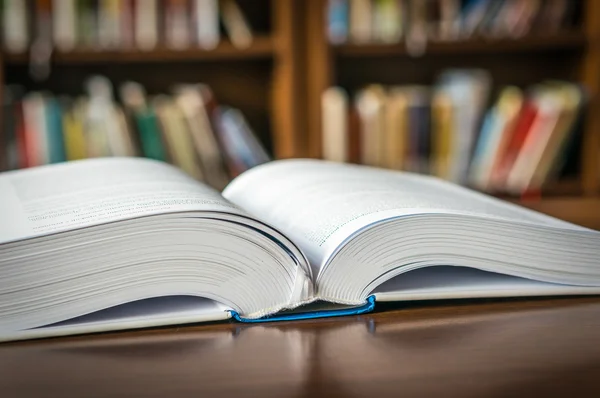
54,131
150,135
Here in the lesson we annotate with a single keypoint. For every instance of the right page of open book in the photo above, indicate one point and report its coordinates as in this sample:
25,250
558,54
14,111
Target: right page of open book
320,204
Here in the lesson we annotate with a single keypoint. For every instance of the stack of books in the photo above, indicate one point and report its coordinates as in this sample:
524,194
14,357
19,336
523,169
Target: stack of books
121,24
515,145
416,21
187,128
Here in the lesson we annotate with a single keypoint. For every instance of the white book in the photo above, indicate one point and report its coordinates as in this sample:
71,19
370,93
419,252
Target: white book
109,24
105,135
235,24
146,24
15,23
122,243
334,103
64,24
206,13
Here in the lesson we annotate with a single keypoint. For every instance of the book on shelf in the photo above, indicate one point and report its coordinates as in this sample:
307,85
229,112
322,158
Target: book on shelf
335,121
337,29
235,24
240,147
120,243
69,25
418,21
183,128
517,144
370,105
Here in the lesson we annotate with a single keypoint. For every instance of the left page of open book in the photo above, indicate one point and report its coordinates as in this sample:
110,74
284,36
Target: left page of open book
61,197
85,236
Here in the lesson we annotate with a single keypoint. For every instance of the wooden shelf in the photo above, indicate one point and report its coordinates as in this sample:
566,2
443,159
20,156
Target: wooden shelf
562,41
261,47
580,210
562,188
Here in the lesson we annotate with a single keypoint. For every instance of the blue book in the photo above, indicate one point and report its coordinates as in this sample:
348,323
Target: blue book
241,147
54,129
337,21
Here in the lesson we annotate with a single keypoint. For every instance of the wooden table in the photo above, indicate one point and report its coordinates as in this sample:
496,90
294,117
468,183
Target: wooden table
492,349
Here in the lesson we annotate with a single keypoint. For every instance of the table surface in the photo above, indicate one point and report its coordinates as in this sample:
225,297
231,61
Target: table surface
543,347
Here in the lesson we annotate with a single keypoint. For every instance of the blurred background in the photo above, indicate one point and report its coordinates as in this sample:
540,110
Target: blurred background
497,95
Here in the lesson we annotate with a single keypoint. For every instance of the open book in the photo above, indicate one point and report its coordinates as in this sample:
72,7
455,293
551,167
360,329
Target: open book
119,243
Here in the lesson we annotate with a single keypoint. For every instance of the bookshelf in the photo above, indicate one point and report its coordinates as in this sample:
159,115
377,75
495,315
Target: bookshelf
533,44
278,80
261,48
261,80
572,54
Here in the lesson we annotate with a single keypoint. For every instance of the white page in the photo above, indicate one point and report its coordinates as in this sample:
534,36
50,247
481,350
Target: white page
319,204
448,282
66,196
152,312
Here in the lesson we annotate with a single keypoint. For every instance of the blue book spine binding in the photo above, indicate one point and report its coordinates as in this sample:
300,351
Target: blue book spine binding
367,307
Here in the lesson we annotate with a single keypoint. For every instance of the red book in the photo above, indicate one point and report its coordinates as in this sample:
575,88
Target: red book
354,135
127,23
519,134
21,136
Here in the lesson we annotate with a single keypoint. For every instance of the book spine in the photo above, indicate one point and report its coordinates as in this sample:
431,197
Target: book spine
177,28
361,20
22,136
206,23
369,306
64,24
526,118
56,145
335,129
337,25
146,24
441,134
15,26
127,23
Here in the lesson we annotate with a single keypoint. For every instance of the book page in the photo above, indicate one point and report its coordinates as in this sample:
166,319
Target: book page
72,195
320,204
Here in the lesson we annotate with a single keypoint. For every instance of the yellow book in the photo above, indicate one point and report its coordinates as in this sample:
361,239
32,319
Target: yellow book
396,128
370,103
75,145
177,136
441,134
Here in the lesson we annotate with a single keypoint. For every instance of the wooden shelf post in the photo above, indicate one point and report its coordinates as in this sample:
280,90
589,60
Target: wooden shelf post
288,100
591,78
319,71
